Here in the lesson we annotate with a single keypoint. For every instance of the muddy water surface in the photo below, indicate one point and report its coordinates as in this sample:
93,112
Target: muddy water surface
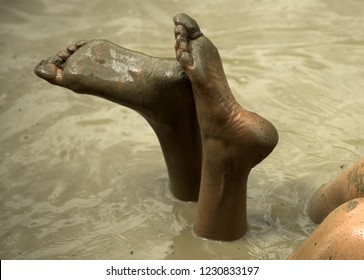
83,178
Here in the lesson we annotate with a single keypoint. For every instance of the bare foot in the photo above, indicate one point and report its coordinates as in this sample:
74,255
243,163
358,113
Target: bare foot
339,237
234,140
348,185
157,88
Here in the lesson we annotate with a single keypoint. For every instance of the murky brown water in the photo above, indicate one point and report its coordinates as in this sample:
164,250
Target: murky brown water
83,178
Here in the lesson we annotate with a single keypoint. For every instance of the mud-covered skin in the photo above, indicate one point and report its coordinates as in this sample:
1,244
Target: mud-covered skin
348,185
157,88
234,140
339,237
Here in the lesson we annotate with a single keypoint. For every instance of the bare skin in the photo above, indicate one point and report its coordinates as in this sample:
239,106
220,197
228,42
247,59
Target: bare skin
347,186
339,237
339,207
234,140
208,123
206,120
157,88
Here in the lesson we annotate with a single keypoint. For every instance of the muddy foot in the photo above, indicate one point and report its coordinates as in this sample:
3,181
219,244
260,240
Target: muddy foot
154,87
99,67
234,140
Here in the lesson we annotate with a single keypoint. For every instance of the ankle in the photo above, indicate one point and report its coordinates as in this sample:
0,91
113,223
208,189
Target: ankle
221,213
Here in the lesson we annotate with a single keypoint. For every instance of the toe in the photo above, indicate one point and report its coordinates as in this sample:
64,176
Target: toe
74,47
55,59
186,60
189,24
81,43
182,47
71,48
180,30
181,41
49,71
64,55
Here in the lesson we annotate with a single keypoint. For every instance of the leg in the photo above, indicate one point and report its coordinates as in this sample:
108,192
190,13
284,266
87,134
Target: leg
234,140
156,88
339,237
348,185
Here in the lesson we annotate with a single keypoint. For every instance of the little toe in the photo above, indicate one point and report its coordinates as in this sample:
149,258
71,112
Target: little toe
65,54
74,47
81,43
189,24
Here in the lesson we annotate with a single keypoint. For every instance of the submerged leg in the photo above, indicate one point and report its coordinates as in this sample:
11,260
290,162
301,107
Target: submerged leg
157,88
348,185
234,140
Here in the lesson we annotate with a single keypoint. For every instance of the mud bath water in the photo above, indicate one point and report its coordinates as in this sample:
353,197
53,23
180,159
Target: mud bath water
83,178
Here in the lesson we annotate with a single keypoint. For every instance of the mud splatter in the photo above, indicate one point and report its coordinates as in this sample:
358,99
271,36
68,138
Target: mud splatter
352,205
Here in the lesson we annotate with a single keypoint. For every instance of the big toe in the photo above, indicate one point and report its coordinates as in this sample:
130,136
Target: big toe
49,71
191,26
